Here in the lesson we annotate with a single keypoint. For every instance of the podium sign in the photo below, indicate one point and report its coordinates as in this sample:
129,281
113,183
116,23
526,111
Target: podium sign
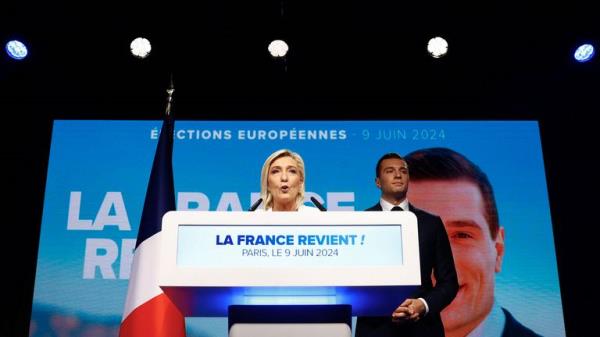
210,260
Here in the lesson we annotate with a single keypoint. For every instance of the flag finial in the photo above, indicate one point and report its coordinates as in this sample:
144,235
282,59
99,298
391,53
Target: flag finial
170,91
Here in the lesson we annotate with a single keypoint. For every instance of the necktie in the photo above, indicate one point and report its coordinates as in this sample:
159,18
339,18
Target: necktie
397,208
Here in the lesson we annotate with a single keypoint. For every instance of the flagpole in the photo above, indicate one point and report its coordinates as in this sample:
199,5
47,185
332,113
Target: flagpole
170,91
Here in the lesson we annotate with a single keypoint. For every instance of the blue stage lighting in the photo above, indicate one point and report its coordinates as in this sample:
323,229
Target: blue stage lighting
584,53
16,49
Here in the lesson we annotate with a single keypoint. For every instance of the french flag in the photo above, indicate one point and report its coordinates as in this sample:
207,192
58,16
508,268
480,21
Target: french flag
148,311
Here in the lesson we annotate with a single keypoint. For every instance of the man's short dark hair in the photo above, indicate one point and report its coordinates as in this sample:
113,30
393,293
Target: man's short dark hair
444,164
391,155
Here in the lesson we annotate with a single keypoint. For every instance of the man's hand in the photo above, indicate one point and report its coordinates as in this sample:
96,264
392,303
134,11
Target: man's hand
410,310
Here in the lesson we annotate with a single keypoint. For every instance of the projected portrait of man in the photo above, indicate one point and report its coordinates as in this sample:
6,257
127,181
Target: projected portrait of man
446,183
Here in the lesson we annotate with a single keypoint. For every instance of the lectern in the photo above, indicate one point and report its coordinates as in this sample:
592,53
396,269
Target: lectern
256,267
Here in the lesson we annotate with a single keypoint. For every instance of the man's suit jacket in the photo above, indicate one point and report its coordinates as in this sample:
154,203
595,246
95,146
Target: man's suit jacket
512,327
435,256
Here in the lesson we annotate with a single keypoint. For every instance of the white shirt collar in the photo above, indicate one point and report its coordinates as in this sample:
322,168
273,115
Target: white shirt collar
492,325
386,206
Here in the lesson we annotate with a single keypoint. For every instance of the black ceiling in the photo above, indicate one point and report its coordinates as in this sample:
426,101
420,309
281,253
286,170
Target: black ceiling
362,51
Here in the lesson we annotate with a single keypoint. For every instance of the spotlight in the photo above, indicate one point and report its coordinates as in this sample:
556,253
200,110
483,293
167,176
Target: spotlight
278,48
140,47
584,53
437,47
16,49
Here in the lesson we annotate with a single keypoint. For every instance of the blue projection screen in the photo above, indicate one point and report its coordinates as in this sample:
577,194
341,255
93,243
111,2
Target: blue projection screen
98,172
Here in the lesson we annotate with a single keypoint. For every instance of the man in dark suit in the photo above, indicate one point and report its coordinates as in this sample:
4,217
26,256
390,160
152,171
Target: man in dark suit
447,183
418,315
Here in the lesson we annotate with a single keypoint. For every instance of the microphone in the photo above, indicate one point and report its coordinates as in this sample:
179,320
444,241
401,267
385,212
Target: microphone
318,204
255,205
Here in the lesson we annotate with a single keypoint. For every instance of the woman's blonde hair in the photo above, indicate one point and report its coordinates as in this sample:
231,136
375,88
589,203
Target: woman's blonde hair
264,176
